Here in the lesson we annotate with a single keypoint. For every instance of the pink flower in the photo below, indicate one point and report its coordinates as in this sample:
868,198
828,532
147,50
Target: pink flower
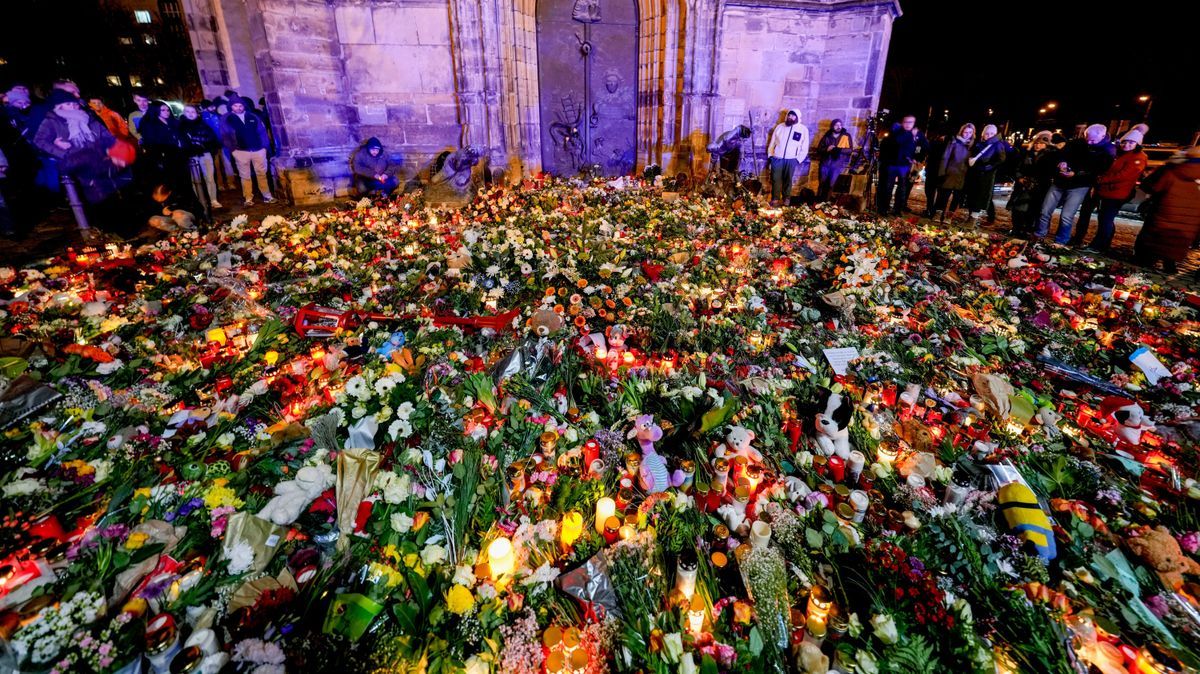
454,457
1190,542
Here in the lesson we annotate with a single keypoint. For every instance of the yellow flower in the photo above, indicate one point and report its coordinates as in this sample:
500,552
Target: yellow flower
459,599
411,559
219,495
136,540
390,552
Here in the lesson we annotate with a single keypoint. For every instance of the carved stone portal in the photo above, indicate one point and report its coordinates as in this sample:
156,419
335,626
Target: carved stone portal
587,60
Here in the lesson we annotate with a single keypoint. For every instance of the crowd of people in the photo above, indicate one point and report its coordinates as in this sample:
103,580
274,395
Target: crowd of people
154,166
1077,178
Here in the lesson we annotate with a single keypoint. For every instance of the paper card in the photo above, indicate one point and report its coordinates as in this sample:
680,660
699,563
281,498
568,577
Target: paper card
840,358
1149,363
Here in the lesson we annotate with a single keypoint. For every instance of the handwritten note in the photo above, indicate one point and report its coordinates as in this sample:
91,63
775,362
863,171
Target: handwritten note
840,358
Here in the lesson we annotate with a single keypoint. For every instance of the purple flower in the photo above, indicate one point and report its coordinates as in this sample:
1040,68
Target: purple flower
1157,605
1190,542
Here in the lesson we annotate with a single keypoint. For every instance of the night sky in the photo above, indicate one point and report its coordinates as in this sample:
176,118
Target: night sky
1092,61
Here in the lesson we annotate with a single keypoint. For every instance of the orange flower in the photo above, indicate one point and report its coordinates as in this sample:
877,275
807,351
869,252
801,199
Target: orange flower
626,301
580,321
558,308
581,283
602,313
549,291
562,292
610,304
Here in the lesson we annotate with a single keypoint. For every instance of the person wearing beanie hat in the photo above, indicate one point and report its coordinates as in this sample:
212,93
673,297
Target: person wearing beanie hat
1092,201
1117,185
80,143
374,169
786,151
245,136
1032,178
1174,223
1080,163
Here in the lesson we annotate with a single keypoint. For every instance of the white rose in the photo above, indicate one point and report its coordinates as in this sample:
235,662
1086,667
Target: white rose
433,554
866,662
476,665
885,628
401,523
464,575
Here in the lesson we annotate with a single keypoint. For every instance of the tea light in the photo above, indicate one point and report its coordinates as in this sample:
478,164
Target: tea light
627,532
612,530
819,601
605,508
720,481
685,573
815,626
860,502
571,638
552,638
855,464
695,615
271,357
886,453
571,529
500,557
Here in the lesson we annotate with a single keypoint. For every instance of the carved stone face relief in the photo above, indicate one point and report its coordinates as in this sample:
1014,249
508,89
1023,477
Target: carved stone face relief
586,11
612,81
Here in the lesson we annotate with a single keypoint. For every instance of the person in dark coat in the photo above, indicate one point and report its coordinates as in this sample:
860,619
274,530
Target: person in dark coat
950,173
834,151
1080,163
1118,184
79,142
986,157
1031,179
1174,222
1092,200
200,143
374,168
162,146
903,148
245,136
212,112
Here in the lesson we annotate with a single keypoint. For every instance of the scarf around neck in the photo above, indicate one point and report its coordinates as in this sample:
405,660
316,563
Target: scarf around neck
78,131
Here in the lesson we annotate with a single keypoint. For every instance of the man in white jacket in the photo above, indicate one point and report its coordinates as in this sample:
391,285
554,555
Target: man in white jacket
787,149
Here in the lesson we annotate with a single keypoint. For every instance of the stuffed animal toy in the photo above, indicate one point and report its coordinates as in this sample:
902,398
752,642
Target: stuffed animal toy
995,392
733,515
457,260
1049,417
393,344
1129,416
545,321
616,335
811,660
1158,548
832,423
653,475
1025,517
293,496
917,435
737,443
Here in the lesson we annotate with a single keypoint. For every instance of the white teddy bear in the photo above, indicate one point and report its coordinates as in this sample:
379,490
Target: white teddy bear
293,496
737,443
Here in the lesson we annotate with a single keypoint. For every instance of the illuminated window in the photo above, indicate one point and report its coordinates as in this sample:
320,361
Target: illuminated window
135,80
142,16
113,80
159,81
126,40
149,39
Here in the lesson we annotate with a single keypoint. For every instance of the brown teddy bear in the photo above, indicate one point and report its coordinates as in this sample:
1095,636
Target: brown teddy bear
1159,549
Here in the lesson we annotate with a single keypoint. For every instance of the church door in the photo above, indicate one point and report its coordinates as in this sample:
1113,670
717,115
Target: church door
587,78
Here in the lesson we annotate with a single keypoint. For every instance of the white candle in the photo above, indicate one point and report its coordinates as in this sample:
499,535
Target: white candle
605,508
500,557
860,502
760,534
687,664
856,463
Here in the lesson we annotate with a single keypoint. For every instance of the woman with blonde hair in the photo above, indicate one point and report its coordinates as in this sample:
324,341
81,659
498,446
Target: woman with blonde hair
951,174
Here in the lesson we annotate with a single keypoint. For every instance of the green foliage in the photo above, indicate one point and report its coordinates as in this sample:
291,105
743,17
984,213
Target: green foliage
913,655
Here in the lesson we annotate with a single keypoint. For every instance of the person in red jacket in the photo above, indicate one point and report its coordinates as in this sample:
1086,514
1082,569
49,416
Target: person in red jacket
1116,185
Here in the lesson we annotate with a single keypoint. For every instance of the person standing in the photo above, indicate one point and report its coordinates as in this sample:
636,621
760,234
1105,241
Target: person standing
1031,178
987,156
245,136
200,144
1118,184
80,142
949,174
1092,200
212,112
787,149
141,104
834,150
164,148
1080,163
898,153
114,122
1174,223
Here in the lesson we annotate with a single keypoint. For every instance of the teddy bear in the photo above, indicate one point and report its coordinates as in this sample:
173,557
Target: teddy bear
457,260
1049,417
832,422
293,496
737,443
1158,548
1130,418
545,322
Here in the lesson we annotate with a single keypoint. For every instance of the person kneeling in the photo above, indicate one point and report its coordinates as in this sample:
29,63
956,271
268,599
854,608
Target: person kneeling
374,169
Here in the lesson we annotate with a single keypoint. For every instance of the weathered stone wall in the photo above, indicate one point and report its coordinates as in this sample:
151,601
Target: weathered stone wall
431,75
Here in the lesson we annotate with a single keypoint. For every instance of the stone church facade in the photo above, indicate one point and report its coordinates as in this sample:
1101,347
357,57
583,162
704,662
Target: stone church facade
537,84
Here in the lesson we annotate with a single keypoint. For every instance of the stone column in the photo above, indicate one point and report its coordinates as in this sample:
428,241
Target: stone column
301,67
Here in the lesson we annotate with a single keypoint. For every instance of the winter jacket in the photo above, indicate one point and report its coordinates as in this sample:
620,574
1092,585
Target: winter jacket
197,137
989,155
1088,162
1174,224
248,134
836,146
366,166
135,120
1121,179
213,120
160,136
789,142
89,156
952,165
114,123
901,147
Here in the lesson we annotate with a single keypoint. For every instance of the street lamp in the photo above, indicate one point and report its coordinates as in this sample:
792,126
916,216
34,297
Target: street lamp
1052,105
1149,102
